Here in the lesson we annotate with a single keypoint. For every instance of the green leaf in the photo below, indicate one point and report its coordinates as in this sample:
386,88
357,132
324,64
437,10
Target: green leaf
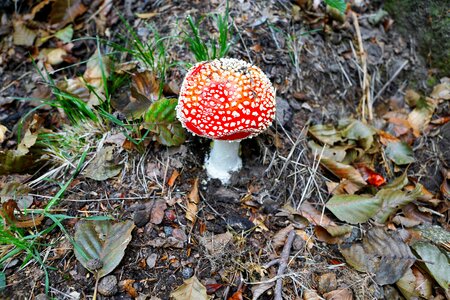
161,120
398,183
336,153
327,134
103,241
400,153
360,132
191,289
353,209
393,200
436,262
65,34
338,4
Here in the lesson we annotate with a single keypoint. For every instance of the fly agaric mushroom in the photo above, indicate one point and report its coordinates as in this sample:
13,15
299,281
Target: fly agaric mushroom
226,100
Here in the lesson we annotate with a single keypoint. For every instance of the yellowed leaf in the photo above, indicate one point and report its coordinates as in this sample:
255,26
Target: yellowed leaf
340,294
441,91
3,130
53,56
148,15
23,36
191,289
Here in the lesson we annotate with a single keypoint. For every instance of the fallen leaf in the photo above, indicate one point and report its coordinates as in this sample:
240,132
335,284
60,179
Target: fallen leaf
102,167
436,262
387,256
327,134
360,132
344,171
216,243
421,115
104,241
311,295
23,36
279,238
66,11
160,119
441,91
400,153
148,15
127,286
260,289
173,178
340,294
7,212
393,200
192,203
53,56
354,209
65,34
158,207
336,153
144,91
191,289
3,130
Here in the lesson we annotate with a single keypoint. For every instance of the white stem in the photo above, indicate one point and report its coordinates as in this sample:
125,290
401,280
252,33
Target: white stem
223,159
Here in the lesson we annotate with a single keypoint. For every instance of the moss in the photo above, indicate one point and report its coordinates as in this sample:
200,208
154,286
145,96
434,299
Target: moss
429,22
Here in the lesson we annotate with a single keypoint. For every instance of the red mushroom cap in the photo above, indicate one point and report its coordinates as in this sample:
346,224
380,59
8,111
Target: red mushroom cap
226,99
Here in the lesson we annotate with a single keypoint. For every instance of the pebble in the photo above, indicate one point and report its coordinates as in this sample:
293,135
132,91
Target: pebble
141,217
187,272
151,260
108,285
168,230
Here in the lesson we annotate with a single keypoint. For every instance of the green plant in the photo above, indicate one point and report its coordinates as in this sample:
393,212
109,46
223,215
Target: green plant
337,4
208,49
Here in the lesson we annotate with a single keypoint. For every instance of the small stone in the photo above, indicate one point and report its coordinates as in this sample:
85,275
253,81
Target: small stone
94,264
179,234
141,217
187,272
108,285
151,260
168,230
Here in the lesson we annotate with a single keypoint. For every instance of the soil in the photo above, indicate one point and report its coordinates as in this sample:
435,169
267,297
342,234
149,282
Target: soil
321,86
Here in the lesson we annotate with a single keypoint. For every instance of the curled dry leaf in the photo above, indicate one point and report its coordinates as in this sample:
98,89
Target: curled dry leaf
421,115
387,256
216,244
359,132
311,295
191,289
414,284
344,171
326,134
192,203
442,90
7,212
260,289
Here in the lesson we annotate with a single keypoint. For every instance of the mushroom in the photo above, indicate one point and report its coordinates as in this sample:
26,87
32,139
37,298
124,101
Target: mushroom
226,100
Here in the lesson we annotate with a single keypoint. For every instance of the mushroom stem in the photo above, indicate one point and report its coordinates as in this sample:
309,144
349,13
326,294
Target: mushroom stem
223,159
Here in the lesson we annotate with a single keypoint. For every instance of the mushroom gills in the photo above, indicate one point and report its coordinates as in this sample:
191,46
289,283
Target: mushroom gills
223,159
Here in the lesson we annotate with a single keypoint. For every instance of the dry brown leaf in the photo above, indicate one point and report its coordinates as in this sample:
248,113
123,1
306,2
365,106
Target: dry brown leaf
344,171
420,117
127,286
340,294
148,15
158,209
191,289
66,11
388,257
441,91
8,210
216,244
311,295
23,36
279,238
192,204
173,177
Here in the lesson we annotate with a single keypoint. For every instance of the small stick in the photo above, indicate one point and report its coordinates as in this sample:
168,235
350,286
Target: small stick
390,80
283,265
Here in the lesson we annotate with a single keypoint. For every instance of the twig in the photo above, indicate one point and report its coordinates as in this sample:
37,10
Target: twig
365,99
390,80
283,265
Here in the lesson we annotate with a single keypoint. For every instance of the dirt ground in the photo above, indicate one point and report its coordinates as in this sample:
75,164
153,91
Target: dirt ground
310,58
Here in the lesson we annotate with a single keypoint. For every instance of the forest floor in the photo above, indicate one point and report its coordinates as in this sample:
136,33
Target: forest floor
345,196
